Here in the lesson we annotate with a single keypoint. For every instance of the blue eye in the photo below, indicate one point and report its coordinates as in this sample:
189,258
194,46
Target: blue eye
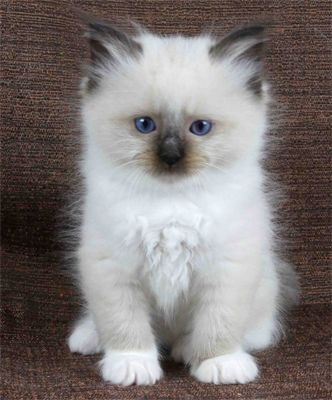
145,124
200,127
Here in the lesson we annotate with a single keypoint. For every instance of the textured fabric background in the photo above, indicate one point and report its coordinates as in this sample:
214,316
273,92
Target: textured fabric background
42,51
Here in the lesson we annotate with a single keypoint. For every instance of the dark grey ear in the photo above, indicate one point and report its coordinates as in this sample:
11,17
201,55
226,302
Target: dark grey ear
107,45
244,45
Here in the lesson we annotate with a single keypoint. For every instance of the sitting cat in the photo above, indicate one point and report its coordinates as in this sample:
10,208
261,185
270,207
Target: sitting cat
177,239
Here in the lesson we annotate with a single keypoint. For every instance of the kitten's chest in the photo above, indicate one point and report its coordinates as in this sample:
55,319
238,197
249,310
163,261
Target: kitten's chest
171,240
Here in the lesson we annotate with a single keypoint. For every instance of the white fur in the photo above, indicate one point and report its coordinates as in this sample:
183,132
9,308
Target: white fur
128,368
193,252
237,367
84,339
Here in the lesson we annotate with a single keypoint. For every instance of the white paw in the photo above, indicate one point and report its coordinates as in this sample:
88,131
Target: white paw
237,367
131,368
84,338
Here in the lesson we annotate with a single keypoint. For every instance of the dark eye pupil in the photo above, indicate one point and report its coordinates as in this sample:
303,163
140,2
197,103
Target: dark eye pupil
201,125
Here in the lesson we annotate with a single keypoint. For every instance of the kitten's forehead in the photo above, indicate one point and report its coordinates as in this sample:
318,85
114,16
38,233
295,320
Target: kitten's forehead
175,49
171,76
175,65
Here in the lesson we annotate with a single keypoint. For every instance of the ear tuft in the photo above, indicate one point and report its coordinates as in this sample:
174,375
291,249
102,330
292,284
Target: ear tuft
244,45
107,46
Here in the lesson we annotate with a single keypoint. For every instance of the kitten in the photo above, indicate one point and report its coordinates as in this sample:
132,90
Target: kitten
176,244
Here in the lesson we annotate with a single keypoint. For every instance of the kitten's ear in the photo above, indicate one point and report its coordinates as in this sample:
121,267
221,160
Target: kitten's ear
246,46
107,46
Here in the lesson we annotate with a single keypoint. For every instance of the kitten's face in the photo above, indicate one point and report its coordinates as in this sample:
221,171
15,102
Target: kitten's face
174,106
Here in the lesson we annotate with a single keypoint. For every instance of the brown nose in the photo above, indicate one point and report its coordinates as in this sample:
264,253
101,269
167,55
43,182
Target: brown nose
170,149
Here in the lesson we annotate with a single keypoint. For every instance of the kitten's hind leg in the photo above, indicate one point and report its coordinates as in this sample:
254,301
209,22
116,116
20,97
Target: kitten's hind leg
84,337
263,336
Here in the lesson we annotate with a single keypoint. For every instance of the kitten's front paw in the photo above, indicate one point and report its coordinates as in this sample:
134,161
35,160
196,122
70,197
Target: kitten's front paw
237,367
131,368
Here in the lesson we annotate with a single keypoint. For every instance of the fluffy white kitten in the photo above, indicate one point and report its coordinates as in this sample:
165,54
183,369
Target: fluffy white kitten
176,244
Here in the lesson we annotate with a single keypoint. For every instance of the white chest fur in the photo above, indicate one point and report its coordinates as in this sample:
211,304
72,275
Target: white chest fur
172,239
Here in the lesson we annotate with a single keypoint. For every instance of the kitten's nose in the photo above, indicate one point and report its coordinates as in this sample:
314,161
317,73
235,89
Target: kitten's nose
170,150
170,159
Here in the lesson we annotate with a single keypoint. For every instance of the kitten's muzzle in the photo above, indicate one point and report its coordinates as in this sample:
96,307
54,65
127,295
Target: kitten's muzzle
170,150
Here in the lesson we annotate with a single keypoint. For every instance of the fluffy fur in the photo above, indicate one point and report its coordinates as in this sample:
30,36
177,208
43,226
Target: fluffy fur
182,255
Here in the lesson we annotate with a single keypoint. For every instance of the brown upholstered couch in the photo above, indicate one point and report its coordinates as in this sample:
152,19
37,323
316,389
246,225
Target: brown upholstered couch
41,54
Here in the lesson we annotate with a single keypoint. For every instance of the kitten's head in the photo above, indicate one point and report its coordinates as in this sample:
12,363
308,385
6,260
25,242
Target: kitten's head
175,106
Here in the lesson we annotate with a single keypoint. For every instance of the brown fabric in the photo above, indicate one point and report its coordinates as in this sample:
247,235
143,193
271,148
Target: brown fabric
41,55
